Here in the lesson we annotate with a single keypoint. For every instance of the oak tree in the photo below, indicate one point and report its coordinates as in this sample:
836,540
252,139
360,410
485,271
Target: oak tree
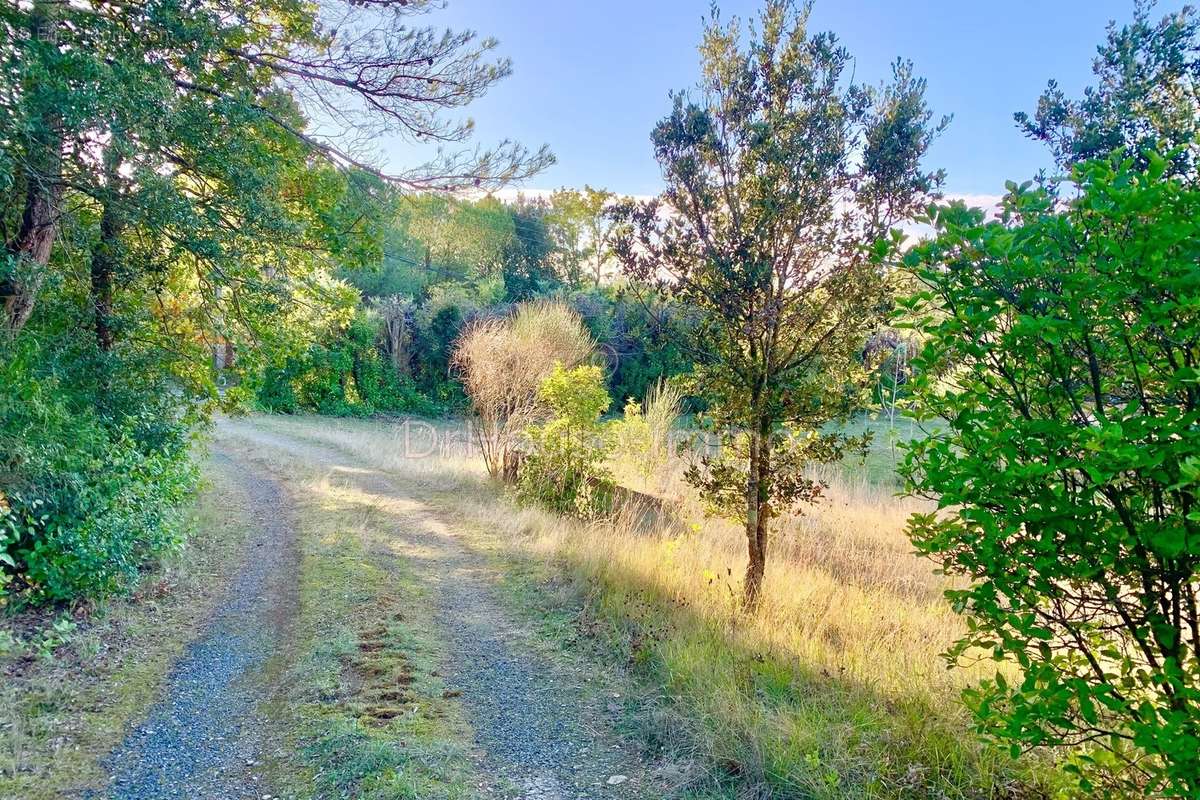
1146,95
784,180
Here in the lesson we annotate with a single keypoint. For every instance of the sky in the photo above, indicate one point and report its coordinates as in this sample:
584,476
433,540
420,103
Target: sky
590,79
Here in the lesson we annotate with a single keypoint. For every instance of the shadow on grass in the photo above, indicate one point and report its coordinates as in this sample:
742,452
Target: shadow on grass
757,722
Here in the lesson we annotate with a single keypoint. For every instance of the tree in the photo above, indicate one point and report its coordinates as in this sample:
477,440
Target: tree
599,227
1147,96
121,79
397,313
524,257
582,230
178,178
783,182
1064,357
564,223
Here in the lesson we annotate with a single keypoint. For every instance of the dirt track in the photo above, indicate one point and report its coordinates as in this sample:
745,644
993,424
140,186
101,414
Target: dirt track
539,731
206,736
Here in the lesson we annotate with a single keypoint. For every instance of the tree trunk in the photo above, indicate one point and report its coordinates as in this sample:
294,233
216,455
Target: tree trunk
397,333
758,513
107,250
513,460
34,241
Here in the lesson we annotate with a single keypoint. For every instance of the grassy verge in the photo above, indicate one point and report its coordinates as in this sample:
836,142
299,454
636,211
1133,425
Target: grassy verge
66,703
836,689
816,698
361,700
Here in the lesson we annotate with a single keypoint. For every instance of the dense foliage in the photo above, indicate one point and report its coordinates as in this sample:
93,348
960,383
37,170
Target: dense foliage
1064,357
448,263
783,180
564,466
344,373
89,493
165,208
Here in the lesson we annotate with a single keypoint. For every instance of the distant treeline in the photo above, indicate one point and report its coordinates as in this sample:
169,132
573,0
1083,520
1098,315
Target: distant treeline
447,262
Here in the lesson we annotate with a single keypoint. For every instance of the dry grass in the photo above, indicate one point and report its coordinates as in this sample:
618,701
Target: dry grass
835,690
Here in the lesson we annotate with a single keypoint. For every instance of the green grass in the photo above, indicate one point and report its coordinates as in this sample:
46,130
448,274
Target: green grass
885,451
362,703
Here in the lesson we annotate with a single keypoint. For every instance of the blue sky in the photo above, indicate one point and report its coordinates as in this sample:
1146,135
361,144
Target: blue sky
591,79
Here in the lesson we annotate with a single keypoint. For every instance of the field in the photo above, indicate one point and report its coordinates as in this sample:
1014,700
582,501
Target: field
836,689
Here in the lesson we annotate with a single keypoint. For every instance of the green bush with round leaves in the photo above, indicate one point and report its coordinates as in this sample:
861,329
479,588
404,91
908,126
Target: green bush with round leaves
564,469
1063,354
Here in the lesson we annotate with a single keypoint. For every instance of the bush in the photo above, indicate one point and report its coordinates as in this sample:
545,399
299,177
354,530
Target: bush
502,362
346,374
564,470
90,483
1064,357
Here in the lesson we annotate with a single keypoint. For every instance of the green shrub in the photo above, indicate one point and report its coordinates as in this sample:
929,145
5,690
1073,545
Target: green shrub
564,470
345,374
277,393
1064,357
91,478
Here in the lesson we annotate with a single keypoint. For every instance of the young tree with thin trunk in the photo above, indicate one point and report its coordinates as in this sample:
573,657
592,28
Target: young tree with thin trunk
784,181
599,228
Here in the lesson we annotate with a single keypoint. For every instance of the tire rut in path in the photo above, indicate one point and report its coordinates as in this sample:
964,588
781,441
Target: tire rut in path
205,737
541,734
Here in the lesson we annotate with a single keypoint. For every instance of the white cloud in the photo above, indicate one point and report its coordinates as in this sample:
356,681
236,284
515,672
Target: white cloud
988,202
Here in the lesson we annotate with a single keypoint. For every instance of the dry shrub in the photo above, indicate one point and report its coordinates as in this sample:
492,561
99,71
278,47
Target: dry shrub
502,361
663,407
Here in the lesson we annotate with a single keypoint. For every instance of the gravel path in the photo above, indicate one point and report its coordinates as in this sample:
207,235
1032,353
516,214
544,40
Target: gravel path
541,732
530,716
205,738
